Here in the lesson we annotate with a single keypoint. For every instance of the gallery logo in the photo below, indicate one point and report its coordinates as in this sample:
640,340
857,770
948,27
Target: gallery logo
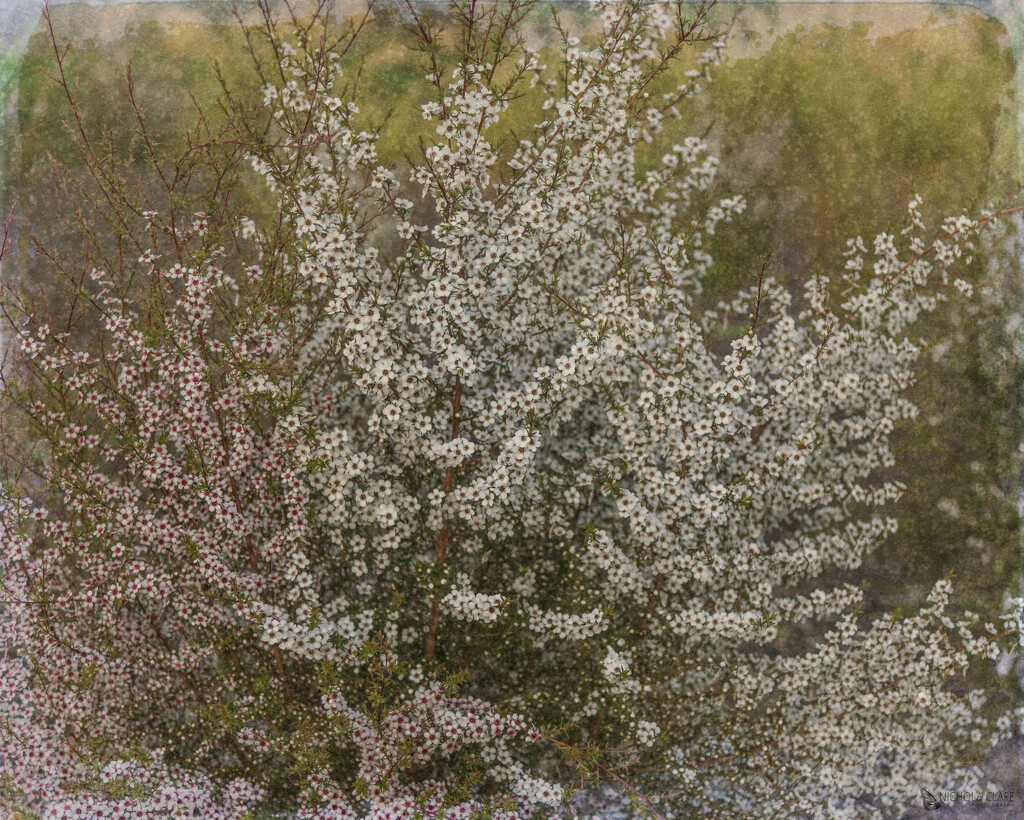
931,802
991,799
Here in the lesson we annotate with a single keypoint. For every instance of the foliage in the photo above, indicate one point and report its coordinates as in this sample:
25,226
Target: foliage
445,490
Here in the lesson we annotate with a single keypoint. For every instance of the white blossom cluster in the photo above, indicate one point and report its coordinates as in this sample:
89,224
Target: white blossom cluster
646,732
467,605
428,724
566,627
615,665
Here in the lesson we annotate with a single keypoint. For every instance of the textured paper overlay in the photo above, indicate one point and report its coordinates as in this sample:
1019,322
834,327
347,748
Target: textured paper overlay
116,27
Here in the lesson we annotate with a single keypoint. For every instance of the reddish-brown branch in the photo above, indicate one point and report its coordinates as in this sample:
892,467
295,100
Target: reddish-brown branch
441,545
5,243
631,789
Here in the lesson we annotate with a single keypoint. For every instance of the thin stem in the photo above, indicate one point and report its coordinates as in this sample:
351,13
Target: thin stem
441,545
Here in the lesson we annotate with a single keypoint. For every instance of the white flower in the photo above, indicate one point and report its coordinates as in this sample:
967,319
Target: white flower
615,665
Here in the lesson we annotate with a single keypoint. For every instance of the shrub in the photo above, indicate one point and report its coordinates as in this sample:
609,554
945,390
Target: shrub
443,489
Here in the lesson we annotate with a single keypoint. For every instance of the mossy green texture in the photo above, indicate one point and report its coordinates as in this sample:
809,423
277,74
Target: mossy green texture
829,132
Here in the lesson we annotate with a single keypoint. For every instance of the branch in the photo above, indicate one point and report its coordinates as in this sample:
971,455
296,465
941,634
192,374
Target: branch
5,243
631,789
441,546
